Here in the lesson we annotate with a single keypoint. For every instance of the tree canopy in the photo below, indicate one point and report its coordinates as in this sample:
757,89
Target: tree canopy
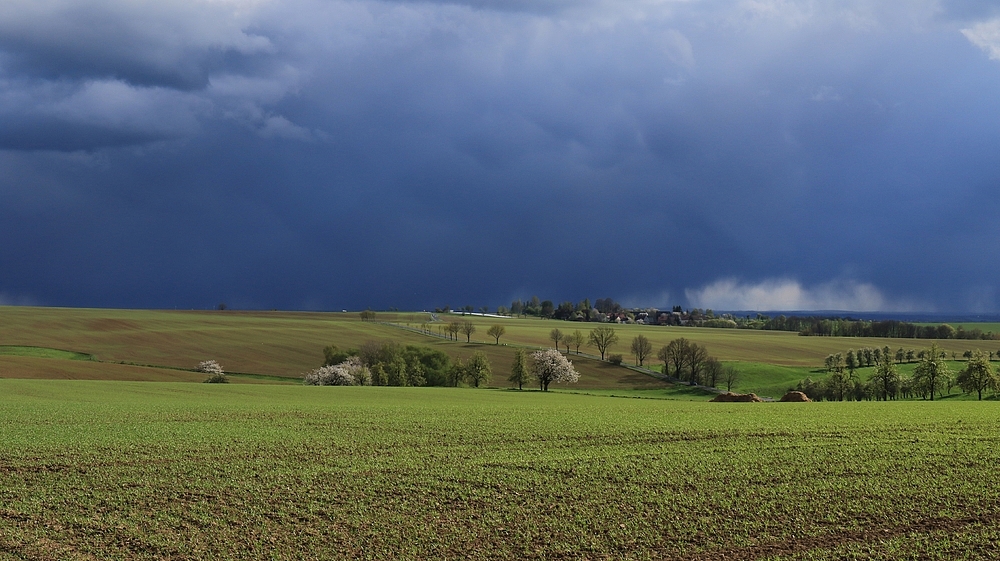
978,374
603,338
551,366
641,348
519,370
496,331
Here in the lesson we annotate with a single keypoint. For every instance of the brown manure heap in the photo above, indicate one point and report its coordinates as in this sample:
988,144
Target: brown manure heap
795,397
731,397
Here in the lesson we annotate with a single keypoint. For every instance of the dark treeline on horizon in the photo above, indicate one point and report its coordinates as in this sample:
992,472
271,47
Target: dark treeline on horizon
846,327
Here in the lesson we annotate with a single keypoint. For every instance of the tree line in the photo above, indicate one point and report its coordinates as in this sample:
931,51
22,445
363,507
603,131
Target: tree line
685,360
386,363
893,329
931,377
690,362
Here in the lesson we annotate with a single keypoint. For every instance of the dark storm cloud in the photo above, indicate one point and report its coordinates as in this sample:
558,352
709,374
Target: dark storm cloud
72,116
173,44
411,154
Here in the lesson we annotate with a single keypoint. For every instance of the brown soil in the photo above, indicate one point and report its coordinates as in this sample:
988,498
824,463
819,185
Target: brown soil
731,397
832,540
795,397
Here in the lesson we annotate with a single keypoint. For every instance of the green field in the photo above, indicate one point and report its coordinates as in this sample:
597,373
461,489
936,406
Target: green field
984,326
42,352
97,464
115,470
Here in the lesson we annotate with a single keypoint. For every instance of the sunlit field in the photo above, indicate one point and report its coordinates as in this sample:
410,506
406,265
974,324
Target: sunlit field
112,470
278,347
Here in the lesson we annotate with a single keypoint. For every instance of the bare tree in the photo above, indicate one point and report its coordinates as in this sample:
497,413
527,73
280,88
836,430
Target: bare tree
674,354
577,340
697,357
555,336
496,331
468,329
641,348
713,371
730,375
603,338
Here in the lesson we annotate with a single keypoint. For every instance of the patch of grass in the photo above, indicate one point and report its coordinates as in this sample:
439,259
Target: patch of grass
771,380
42,352
116,470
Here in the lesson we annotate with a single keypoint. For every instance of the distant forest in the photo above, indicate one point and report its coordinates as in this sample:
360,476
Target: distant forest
607,310
845,327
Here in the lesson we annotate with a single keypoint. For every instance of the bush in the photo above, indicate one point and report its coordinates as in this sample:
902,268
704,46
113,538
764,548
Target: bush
719,323
348,373
214,371
615,359
332,355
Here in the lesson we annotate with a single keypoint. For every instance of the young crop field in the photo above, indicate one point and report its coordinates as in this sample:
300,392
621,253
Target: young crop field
123,470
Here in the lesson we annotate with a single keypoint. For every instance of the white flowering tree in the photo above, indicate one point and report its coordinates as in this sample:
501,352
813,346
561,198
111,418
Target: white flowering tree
348,373
214,371
551,366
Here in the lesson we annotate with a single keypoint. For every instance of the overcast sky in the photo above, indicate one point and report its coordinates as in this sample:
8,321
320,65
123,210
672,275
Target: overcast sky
300,154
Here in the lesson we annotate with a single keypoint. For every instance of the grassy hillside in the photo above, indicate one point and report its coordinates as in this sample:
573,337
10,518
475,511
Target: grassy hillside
105,470
154,344
773,347
274,346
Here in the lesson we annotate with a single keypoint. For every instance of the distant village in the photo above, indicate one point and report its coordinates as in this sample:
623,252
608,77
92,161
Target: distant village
606,310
